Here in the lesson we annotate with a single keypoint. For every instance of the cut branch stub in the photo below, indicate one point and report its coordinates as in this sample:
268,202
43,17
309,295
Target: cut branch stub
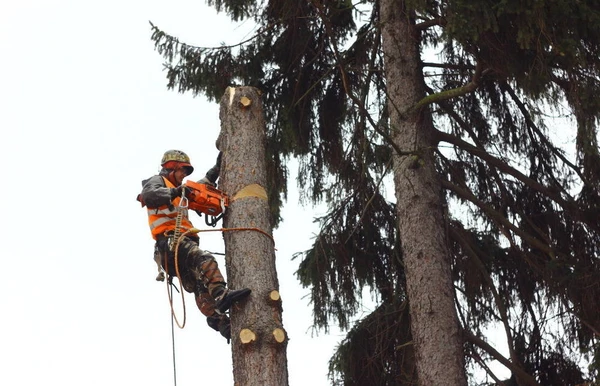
274,296
279,335
245,101
247,336
274,300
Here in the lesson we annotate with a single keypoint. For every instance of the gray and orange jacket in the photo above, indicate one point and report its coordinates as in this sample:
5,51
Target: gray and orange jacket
162,210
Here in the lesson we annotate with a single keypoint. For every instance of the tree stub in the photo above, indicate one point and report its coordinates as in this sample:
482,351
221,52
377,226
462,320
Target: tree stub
245,101
274,296
279,335
247,336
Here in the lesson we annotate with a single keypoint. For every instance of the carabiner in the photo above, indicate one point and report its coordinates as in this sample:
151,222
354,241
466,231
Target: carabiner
183,203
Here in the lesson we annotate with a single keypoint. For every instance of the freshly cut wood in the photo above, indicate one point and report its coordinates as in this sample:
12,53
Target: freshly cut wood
274,296
247,336
279,335
245,101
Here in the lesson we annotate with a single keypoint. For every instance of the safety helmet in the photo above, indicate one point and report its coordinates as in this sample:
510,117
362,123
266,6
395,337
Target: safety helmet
173,159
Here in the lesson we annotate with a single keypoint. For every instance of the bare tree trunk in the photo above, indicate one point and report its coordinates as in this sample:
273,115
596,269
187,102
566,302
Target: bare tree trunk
434,322
258,340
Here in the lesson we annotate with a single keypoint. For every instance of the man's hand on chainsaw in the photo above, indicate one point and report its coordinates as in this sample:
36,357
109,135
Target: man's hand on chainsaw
178,191
206,181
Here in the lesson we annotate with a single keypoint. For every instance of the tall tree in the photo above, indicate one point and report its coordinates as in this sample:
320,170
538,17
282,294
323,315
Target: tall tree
485,191
419,206
258,338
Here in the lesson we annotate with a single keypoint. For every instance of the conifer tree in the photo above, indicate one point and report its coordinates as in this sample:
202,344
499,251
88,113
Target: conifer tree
258,338
495,207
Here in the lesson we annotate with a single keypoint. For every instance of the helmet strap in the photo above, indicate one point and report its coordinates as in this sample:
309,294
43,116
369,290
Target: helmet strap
171,176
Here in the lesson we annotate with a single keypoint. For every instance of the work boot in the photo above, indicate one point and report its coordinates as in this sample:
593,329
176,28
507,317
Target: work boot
221,324
224,297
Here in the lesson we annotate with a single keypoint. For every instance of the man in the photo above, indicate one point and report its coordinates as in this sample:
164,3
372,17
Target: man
199,270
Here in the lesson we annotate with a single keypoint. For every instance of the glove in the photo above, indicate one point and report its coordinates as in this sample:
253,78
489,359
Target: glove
176,192
206,181
212,175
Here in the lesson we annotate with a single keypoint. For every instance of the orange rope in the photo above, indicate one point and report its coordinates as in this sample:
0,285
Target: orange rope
239,229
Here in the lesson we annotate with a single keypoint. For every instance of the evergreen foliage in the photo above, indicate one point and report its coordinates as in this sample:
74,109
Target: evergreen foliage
383,341
523,217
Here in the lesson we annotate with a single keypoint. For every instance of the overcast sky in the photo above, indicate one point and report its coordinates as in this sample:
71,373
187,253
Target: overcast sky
85,116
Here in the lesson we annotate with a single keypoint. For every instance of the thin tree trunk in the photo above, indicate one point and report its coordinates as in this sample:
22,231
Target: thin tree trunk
434,322
258,339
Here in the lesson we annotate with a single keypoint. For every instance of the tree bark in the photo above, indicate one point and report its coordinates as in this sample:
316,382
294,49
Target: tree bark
259,341
420,206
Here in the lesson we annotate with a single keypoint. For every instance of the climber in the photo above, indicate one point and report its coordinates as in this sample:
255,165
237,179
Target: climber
199,271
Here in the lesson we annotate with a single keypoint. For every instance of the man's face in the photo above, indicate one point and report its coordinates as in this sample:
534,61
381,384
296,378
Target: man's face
179,175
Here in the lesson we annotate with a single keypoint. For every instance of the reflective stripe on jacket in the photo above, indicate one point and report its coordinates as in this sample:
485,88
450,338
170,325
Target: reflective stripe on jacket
162,219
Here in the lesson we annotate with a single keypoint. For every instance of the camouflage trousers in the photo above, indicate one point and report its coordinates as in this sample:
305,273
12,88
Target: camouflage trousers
189,262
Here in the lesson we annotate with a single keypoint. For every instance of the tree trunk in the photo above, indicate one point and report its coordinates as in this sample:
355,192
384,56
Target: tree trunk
258,339
434,322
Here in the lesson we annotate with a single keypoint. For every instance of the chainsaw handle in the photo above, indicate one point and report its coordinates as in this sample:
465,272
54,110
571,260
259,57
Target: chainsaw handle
213,222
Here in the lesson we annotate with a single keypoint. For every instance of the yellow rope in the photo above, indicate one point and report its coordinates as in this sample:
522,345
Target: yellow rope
169,289
183,204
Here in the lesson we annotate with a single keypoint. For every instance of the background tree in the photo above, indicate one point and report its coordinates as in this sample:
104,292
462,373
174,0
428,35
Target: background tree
518,204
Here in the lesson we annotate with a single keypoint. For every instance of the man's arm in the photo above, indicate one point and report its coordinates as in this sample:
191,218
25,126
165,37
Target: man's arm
155,193
213,173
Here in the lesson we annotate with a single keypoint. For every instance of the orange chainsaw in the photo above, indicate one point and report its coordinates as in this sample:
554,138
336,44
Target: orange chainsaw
207,199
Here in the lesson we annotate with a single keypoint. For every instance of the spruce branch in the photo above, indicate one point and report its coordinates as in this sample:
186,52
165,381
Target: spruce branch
499,219
505,197
507,169
518,371
487,369
159,36
450,94
328,28
449,66
543,138
438,21
474,253
364,211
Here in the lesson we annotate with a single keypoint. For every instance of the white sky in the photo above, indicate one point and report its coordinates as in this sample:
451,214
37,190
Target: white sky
85,116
